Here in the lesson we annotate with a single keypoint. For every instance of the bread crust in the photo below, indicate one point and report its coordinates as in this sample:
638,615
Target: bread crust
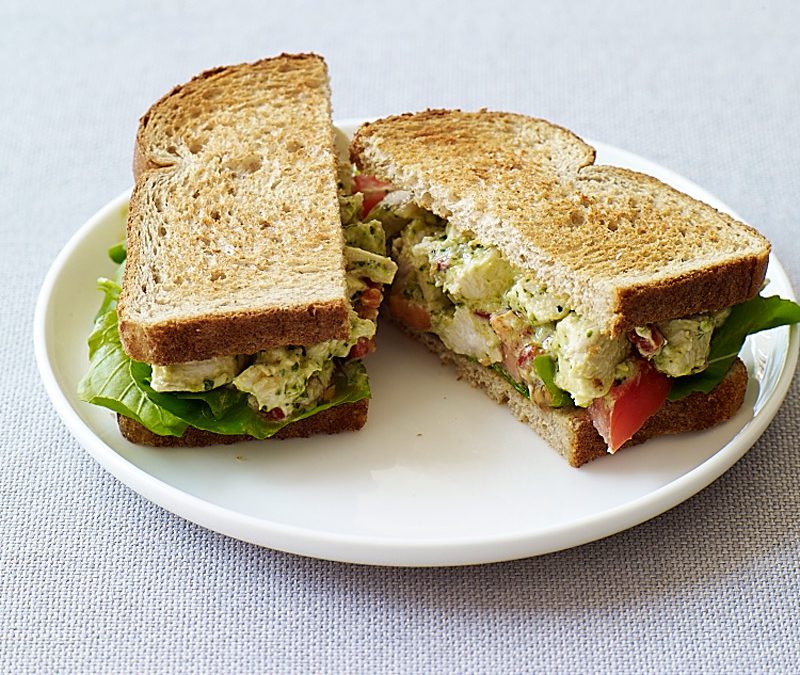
570,430
345,417
141,161
624,247
442,125
214,326
241,333
675,294
700,291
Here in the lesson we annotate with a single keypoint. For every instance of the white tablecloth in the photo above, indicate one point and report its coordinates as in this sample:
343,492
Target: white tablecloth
93,578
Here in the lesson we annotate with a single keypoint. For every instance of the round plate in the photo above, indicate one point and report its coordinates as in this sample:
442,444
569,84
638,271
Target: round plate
439,476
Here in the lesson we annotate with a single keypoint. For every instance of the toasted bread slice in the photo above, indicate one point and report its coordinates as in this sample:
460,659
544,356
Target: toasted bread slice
624,247
345,417
570,430
234,234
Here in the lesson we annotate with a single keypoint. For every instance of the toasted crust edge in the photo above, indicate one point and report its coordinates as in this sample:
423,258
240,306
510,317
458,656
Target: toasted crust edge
197,339
357,145
141,162
722,285
571,432
345,417
694,293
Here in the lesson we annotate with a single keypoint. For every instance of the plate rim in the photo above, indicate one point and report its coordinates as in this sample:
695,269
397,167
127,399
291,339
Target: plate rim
404,551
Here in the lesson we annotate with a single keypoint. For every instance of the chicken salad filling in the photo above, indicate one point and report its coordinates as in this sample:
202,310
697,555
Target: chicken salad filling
483,307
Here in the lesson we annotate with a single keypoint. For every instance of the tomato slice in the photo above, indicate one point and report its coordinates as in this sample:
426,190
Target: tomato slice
410,313
624,410
373,190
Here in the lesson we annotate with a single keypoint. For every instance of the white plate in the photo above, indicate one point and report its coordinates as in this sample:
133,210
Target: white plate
439,476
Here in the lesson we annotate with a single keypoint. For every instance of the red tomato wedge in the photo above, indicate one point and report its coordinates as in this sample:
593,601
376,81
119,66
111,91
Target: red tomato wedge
410,313
373,190
624,410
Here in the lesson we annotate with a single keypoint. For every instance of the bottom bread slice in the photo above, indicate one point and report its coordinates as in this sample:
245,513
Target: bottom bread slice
570,431
344,417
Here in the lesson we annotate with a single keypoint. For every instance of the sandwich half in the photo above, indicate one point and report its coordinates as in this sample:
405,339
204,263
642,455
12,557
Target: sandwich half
249,287
602,305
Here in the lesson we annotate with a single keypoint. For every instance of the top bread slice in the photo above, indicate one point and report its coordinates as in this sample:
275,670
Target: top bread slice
234,234
624,247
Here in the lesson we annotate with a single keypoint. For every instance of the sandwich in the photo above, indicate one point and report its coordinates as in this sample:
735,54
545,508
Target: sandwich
603,306
248,287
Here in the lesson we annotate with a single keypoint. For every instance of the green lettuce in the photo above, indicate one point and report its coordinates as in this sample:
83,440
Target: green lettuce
111,384
118,252
750,317
117,382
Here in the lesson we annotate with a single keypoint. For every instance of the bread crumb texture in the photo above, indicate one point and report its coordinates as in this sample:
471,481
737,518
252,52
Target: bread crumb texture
625,247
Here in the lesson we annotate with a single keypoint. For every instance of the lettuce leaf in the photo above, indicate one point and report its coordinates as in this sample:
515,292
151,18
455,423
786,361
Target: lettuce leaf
111,289
110,383
118,252
750,317
225,410
117,382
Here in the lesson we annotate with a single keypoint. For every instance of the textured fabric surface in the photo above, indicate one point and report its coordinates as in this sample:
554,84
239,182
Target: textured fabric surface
93,578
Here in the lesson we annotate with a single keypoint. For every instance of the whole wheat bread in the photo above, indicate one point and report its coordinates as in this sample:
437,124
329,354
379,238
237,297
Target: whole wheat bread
345,417
624,247
234,234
